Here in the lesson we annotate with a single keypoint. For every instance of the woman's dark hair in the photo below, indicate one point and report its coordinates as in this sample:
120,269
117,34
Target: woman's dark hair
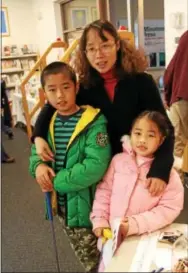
159,119
55,68
129,59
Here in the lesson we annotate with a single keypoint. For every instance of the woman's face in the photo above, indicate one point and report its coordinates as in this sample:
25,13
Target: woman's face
101,54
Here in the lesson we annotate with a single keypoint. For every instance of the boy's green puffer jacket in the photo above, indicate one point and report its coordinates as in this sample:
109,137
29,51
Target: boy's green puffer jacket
87,159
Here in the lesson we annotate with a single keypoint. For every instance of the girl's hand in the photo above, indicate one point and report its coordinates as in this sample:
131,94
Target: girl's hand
98,232
43,149
124,228
155,186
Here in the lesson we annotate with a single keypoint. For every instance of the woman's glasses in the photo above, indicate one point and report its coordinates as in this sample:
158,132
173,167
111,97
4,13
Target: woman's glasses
105,49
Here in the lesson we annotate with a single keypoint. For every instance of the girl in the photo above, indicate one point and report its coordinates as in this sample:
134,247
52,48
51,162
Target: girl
112,78
122,193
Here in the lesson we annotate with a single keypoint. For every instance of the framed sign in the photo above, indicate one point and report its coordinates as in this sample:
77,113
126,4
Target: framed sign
79,17
5,29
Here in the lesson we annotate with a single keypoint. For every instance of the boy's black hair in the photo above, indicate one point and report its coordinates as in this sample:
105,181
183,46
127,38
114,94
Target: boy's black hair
159,119
55,68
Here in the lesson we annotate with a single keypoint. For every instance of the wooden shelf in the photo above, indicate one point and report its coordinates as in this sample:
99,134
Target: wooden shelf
10,85
18,56
7,71
73,30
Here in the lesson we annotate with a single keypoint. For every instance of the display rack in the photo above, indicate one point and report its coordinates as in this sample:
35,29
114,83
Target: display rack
15,67
16,62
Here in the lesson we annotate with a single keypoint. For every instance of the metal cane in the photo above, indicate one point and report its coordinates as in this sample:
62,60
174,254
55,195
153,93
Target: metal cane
50,216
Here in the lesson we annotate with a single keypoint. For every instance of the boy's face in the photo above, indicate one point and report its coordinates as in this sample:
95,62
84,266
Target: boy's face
61,93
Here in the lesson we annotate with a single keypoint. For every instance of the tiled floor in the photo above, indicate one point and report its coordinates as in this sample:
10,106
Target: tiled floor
26,236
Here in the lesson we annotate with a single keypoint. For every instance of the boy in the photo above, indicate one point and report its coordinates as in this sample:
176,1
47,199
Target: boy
78,138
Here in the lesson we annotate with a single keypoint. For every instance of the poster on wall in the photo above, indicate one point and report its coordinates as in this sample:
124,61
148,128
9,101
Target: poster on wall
154,44
79,17
154,35
5,29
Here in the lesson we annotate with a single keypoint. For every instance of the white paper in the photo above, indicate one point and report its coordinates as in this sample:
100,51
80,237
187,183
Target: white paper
107,252
145,253
163,258
111,245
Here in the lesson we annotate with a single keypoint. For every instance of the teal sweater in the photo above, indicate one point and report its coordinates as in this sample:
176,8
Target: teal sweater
64,127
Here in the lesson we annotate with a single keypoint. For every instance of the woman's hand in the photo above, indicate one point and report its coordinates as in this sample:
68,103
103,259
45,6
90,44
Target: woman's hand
155,186
43,150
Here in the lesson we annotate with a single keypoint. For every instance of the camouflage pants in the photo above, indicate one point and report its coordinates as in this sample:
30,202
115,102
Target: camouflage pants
84,244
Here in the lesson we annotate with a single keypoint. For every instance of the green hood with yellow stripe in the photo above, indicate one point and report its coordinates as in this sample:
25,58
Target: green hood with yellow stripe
88,116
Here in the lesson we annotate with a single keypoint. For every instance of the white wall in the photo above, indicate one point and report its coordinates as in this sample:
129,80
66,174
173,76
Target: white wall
47,15
33,22
44,16
172,6
22,27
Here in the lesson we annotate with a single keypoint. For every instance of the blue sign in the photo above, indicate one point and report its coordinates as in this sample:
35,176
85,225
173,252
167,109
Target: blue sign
4,22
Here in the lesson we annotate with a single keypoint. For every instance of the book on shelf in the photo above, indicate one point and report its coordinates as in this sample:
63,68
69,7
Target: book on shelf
19,50
25,49
12,80
11,64
14,50
15,78
25,64
31,64
28,49
6,78
6,51
17,62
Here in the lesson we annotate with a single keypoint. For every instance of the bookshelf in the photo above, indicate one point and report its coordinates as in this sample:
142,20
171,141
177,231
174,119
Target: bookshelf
16,62
14,68
19,56
11,70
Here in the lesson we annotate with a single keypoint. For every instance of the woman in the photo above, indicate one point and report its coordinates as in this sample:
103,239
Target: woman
112,78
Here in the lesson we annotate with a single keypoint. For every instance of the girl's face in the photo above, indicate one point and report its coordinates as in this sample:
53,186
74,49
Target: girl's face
146,137
101,54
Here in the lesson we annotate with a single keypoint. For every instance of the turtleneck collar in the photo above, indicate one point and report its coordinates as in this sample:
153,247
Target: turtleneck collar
108,75
110,81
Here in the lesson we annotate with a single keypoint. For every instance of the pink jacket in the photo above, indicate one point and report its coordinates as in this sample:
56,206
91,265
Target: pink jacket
122,193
